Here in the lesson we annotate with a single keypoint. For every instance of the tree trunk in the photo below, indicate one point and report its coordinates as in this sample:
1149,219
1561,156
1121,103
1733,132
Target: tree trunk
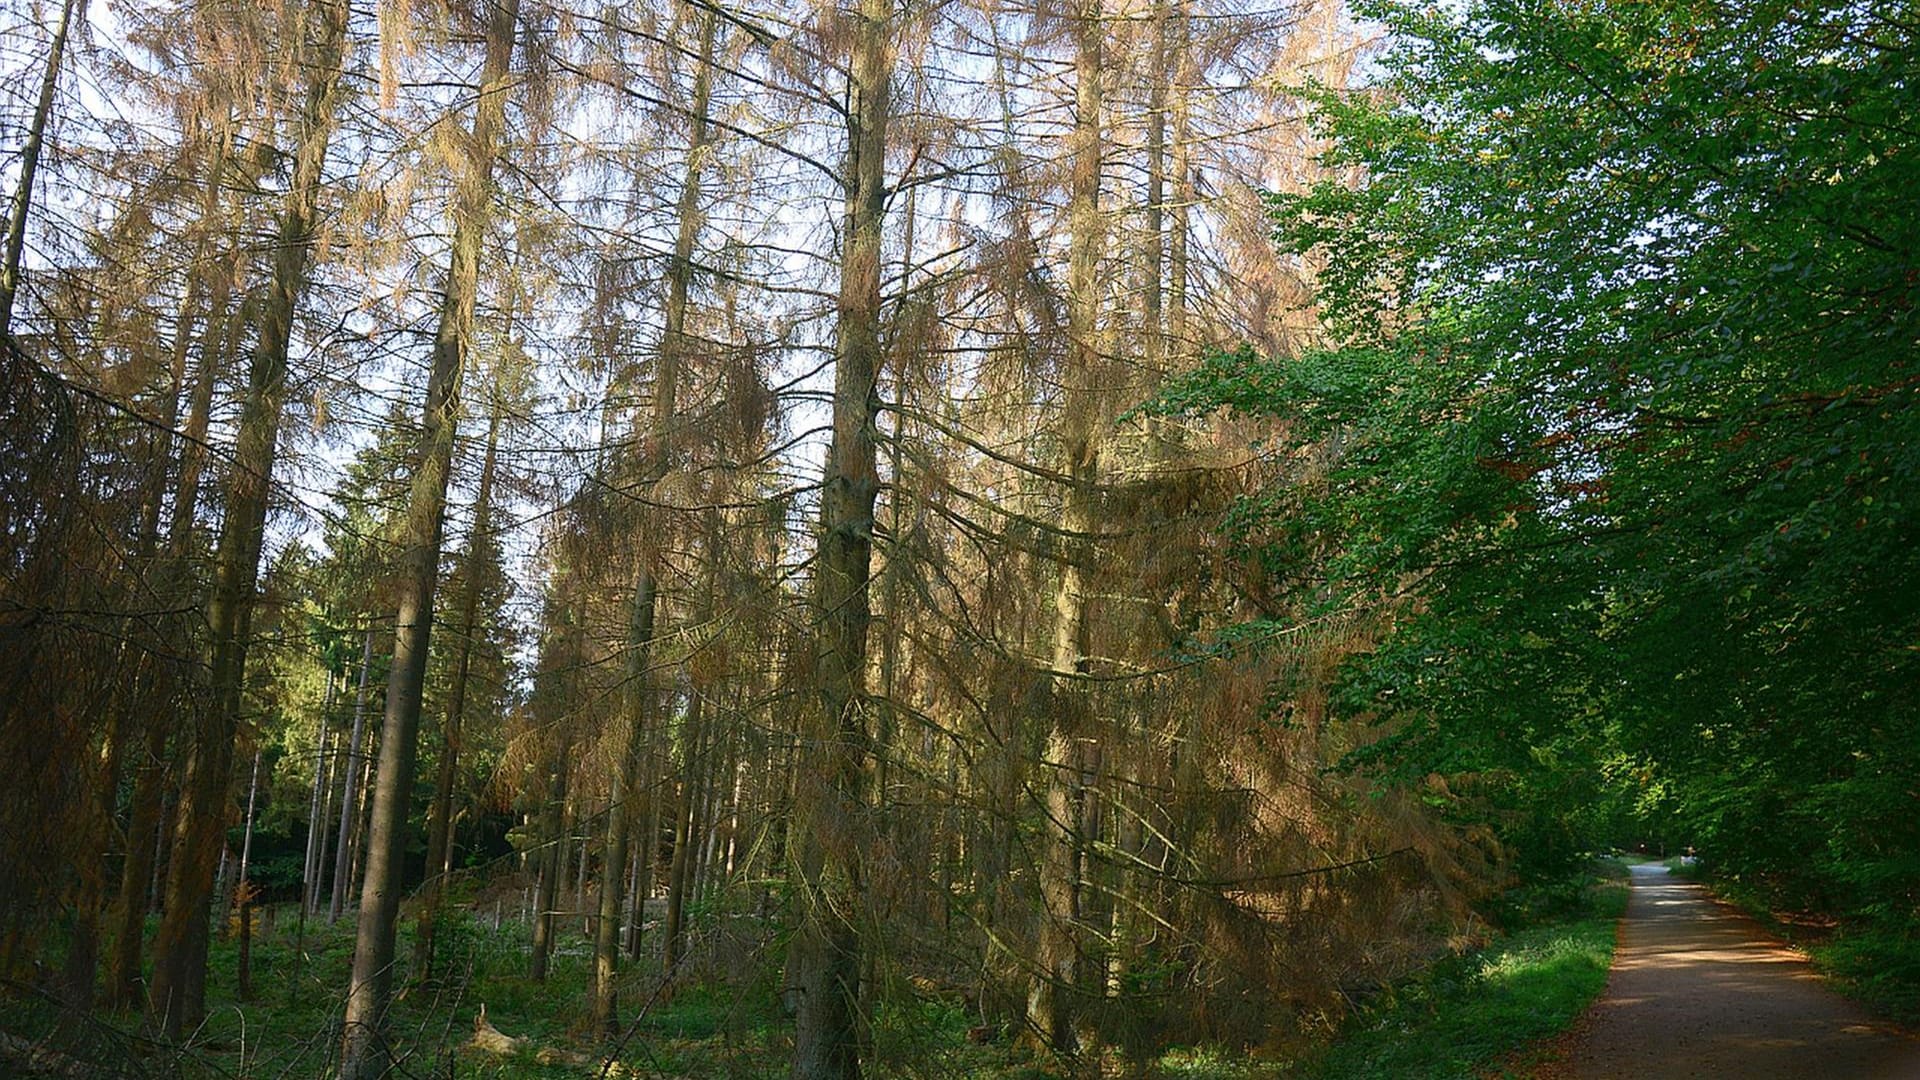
439,818
686,807
316,827
179,988
1183,187
244,890
349,803
649,841
552,864
1050,1004
123,976
22,203
362,1055
329,764
1153,251
830,798
640,699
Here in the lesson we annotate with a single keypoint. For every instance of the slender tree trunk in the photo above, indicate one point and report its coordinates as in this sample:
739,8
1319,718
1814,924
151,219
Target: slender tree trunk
145,819
640,697
362,1056
179,989
244,890
439,818
552,863
1183,187
830,799
1153,251
246,835
142,825
362,817
686,808
329,764
22,202
583,849
349,802
316,827
649,841
1050,1004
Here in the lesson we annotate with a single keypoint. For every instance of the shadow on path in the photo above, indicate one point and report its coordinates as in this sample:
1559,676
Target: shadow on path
1698,990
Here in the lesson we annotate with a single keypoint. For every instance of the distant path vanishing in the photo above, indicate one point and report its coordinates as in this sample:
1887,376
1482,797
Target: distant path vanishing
1698,990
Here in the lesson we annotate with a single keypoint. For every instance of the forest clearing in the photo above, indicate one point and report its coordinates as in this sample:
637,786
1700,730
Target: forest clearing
957,538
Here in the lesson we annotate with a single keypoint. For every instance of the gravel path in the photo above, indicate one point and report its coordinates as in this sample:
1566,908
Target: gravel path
1698,990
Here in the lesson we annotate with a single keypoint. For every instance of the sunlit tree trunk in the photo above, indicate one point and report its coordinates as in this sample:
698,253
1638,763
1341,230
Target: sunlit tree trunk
362,1054
179,988
830,794
22,203
1050,1004
640,697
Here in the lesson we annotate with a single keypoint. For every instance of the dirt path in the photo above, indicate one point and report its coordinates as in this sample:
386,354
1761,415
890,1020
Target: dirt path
1698,990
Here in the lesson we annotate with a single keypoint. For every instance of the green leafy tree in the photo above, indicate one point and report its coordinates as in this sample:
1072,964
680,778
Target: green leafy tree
1616,412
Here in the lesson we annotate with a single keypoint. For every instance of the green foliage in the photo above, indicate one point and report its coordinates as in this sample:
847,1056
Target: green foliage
1880,965
1617,416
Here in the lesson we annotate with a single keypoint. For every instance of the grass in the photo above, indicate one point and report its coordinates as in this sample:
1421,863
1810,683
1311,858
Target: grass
290,1028
1470,1015
1466,1015
1455,1019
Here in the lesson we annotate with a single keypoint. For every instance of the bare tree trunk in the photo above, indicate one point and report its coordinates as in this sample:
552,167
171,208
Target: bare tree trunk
1153,251
246,835
362,1056
686,808
143,822
649,841
140,872
552,864
179,990
439,818
830,798
244,890
1050,1005
330,764
22,203
1183,187
640,696
349,803
316,827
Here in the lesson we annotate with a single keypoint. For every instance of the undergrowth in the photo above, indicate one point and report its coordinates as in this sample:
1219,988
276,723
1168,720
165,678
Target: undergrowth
1467,1013
1451,1020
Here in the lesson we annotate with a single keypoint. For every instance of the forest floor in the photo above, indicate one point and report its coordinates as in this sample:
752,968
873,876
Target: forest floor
1700,990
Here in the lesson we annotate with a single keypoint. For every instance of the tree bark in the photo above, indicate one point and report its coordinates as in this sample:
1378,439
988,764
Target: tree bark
349,802
830,797
552,864
179,989
243,892
362,1055
684,833
440,817
22,202
640,702
1050,1000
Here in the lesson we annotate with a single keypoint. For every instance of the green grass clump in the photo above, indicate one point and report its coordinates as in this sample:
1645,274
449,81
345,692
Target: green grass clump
1877,966
1466,1013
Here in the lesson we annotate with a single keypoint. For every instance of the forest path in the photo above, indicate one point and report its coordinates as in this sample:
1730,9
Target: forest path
1698,990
